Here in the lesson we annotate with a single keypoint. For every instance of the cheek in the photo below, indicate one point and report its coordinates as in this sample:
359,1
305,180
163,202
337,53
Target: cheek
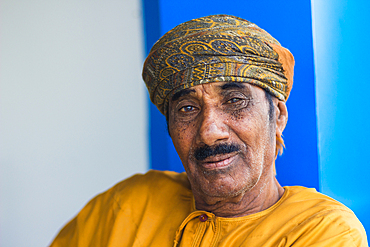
254,132
182,137
238,115
243,124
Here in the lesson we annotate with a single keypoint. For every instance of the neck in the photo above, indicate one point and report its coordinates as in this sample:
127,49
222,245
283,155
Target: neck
262,196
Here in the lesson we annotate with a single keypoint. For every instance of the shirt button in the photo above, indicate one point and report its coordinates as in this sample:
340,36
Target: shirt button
203,217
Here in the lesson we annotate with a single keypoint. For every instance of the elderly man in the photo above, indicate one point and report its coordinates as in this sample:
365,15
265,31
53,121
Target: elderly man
222,83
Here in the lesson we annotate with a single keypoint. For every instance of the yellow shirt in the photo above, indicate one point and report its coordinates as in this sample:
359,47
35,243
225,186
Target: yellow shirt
158,209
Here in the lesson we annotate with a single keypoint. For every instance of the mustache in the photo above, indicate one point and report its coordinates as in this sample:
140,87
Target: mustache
206,151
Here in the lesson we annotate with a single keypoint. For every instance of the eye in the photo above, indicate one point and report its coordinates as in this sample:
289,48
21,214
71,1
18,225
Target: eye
233,100
187,108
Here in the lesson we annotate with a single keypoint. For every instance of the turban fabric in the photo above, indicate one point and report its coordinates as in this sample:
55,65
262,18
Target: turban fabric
214,49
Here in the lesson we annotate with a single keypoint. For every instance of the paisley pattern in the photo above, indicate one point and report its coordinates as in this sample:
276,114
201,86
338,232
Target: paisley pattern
213,49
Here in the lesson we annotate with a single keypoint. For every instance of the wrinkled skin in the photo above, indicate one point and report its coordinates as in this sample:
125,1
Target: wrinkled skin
240,181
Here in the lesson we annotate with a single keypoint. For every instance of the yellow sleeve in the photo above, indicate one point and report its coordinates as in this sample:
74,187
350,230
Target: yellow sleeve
332,228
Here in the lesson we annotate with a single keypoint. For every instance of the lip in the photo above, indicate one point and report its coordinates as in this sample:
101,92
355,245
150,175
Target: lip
218,161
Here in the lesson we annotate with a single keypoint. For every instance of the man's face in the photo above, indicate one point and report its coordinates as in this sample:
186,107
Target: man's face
224,137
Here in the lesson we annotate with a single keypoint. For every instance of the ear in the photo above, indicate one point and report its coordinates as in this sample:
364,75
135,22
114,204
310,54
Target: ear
281,112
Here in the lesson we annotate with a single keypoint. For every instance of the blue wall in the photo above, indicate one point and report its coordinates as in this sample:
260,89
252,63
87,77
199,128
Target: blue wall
342,40
290,23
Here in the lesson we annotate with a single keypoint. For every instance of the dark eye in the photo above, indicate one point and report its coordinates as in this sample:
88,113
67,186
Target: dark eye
187,108
233,100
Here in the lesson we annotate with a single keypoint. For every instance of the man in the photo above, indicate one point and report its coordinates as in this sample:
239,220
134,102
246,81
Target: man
222,83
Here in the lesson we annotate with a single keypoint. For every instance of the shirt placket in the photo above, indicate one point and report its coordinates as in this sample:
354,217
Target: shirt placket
201,220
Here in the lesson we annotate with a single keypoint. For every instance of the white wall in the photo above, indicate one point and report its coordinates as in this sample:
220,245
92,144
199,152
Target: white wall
73,109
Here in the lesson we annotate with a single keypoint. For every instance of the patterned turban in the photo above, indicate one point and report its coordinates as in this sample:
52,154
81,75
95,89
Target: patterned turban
216,48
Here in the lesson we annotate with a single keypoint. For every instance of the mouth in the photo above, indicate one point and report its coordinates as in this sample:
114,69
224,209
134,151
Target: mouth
218,161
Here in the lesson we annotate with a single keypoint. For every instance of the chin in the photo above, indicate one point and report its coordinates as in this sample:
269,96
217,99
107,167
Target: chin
224,194
227,182
228,187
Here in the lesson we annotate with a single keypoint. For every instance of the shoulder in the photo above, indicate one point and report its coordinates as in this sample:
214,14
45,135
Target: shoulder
153,185
308,204
310,198
155,178
120,208
317,218
152,181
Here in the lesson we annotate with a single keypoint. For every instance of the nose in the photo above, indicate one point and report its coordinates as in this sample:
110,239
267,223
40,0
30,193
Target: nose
213,128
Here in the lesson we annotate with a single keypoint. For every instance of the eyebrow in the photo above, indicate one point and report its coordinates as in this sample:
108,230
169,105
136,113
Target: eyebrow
181,93
232,85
